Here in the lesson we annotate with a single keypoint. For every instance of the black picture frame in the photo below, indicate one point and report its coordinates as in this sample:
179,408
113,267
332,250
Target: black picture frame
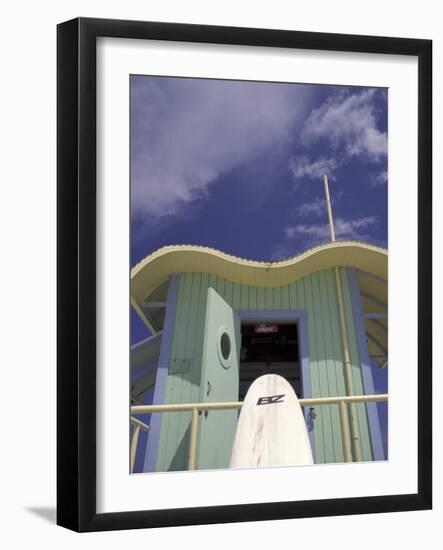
76,265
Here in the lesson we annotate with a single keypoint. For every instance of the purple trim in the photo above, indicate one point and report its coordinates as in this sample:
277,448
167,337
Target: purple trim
162,373
151,365
365,362
300,317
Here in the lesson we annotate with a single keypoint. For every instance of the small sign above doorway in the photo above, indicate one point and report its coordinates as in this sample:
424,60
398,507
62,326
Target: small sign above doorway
263,328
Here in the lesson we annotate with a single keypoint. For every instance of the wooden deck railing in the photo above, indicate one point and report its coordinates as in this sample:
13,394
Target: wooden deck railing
138,425
195,408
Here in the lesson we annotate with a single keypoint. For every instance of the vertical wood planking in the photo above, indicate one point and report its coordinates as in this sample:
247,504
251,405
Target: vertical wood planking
323,370
315,294
228,292
178,353
285,297
164,439
330,361
236,295
183,353
277,304
336,346
335,326
269,298
186,388
261,298
306,285
244,297
296,300
363,421
253,297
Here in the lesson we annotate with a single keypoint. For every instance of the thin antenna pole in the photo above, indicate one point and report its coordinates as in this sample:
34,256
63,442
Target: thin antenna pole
328,204
347,366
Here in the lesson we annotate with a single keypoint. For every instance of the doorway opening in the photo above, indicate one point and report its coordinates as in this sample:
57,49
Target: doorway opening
269,348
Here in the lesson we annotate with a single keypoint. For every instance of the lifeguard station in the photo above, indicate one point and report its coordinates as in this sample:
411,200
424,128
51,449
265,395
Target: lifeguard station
218,322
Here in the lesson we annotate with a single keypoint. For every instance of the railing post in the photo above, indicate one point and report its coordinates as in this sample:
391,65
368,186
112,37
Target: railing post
134,444
193,439
344,424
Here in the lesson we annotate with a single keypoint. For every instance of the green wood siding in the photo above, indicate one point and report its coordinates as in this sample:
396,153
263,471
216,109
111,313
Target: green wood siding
316,294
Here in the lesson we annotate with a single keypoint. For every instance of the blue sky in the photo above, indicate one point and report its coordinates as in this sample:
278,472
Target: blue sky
238,166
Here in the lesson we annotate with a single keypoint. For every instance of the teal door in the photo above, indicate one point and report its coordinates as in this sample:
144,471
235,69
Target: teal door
219,382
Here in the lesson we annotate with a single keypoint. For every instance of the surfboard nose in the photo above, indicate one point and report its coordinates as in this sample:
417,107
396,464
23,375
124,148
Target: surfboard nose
271,429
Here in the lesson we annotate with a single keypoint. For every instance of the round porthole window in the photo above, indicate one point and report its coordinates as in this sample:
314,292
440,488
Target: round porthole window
224,346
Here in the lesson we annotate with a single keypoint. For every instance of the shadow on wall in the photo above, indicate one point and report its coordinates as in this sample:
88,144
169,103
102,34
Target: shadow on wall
45,513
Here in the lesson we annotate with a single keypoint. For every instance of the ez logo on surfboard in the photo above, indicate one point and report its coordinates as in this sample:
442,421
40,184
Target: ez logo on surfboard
270,399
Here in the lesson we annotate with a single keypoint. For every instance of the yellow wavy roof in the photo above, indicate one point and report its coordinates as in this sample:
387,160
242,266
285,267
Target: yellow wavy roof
158,266
370,260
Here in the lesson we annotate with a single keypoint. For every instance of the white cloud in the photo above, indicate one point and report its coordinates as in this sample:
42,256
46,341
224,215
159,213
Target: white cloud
344,229
348,122
281,252
187,132
302,236
316,207
377,179
302,167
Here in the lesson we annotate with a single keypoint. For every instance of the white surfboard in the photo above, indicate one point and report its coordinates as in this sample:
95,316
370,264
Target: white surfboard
271,429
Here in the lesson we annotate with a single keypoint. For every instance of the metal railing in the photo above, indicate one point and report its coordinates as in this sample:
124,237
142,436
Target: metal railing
195,408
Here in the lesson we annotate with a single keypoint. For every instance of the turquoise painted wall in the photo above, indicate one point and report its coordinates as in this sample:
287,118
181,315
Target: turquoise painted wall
316,294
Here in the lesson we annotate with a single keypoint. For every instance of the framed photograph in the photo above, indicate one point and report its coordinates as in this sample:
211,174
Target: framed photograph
244,231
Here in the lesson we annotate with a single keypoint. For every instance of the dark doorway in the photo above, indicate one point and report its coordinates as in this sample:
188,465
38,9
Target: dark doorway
269,348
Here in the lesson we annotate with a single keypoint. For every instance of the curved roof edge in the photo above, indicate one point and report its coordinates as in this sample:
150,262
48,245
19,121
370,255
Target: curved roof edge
158,266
